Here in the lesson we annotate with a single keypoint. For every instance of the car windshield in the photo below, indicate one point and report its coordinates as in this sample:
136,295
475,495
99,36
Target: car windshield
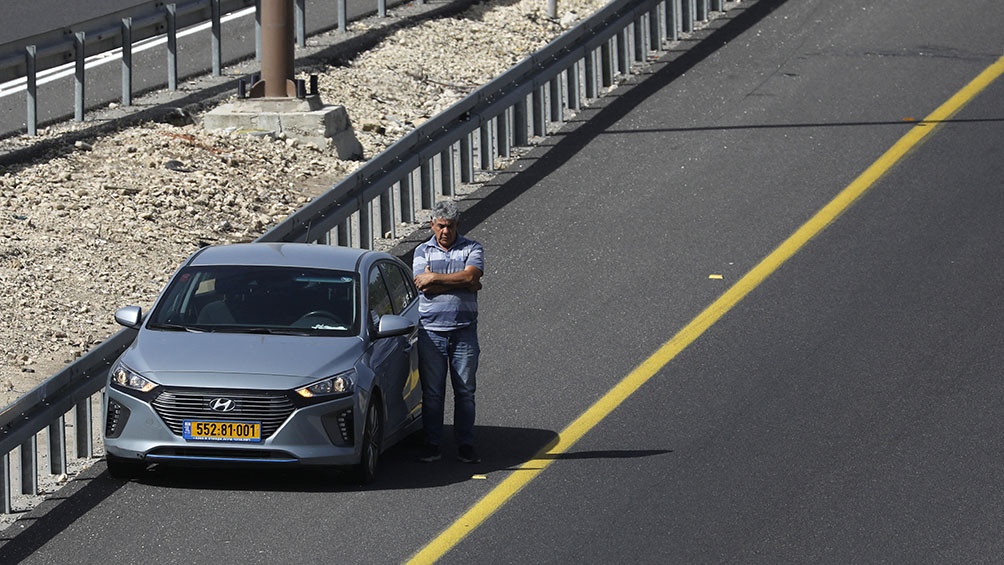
256,299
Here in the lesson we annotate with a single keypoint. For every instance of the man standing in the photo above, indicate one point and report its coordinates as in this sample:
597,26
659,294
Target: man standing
448,269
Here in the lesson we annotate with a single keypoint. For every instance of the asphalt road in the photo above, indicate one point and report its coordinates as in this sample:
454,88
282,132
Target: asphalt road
847,409
26,18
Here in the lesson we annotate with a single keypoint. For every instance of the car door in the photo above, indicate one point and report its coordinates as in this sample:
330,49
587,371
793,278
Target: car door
392,359
404,299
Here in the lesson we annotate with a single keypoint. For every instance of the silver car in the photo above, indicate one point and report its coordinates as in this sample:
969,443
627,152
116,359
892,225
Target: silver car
269,354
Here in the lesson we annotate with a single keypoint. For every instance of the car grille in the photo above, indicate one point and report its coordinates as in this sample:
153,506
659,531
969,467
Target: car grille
176,406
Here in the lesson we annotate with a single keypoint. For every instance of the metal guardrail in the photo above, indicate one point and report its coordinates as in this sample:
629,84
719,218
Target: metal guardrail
26,58
503,113
58,47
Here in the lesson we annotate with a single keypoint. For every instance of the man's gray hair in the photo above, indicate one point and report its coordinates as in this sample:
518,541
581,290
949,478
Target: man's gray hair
446,210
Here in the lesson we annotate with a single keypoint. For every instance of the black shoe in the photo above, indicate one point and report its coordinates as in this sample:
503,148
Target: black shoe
429,454
467,454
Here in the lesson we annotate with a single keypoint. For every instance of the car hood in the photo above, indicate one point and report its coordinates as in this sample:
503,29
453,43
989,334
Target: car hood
239,360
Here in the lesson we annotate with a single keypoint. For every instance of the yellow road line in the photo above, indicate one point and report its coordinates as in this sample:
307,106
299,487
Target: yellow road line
528,471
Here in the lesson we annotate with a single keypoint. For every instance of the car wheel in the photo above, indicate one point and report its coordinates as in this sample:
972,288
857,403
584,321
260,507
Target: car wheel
124,468
369,456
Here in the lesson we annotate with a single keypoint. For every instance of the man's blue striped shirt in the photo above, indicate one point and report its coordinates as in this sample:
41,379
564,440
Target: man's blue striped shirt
457,308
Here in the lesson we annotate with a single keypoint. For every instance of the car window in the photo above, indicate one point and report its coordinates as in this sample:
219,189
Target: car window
379,299
304,301
399,284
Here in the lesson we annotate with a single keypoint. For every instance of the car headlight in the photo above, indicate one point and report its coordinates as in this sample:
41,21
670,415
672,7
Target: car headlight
339,384
127,378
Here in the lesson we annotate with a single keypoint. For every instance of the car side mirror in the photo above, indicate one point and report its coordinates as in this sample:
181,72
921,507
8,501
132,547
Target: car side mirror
129,316
391,325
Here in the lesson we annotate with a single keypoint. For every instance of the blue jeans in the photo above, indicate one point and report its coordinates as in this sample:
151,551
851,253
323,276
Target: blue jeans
456,352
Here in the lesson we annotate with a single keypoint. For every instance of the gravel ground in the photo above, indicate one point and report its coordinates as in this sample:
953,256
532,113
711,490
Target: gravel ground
102,223
99,223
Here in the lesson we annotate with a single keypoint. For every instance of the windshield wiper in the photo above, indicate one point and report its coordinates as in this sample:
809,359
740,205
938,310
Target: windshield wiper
232,329
260,330
174,328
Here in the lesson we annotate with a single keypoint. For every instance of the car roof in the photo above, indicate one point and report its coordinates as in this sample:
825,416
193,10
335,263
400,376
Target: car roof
282,255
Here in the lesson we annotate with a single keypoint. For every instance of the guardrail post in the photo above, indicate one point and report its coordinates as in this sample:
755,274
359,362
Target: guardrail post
426,184
127,61
673,19
687,15
718,5
520,124
343,9
552,9
606,64
407,199
640,45
655,29
486,147
172,46
382,8
574,94
31,66
217,44
29,465
300,17
504,133
388,227
257,30
555,102
589,67
446,166
85,445
5,483
78,75
467,158
537,107
623,56
57,447
342,234
366,225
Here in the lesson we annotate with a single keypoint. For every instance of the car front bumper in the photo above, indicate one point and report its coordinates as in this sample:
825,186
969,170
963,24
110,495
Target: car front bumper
311,435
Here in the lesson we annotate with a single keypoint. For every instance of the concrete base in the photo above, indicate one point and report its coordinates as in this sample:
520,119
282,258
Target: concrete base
308,120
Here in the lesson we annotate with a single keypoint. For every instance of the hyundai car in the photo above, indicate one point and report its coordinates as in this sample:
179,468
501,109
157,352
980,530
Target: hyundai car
268,354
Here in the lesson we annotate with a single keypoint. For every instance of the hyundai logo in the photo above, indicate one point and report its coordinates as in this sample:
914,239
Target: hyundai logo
222,405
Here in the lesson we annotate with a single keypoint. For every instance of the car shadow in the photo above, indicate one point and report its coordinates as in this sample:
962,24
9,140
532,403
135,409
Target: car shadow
502,449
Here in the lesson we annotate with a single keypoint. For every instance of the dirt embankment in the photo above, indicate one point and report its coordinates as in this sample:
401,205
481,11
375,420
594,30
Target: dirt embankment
103,223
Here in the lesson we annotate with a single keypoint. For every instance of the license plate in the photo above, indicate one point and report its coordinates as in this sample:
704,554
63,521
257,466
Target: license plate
202,430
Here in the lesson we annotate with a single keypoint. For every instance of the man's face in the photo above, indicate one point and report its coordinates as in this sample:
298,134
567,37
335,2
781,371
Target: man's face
445,231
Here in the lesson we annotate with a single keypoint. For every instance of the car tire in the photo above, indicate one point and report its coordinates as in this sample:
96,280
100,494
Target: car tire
121,468
364,472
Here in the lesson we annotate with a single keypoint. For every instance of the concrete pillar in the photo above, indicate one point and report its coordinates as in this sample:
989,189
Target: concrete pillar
277,51
272,105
